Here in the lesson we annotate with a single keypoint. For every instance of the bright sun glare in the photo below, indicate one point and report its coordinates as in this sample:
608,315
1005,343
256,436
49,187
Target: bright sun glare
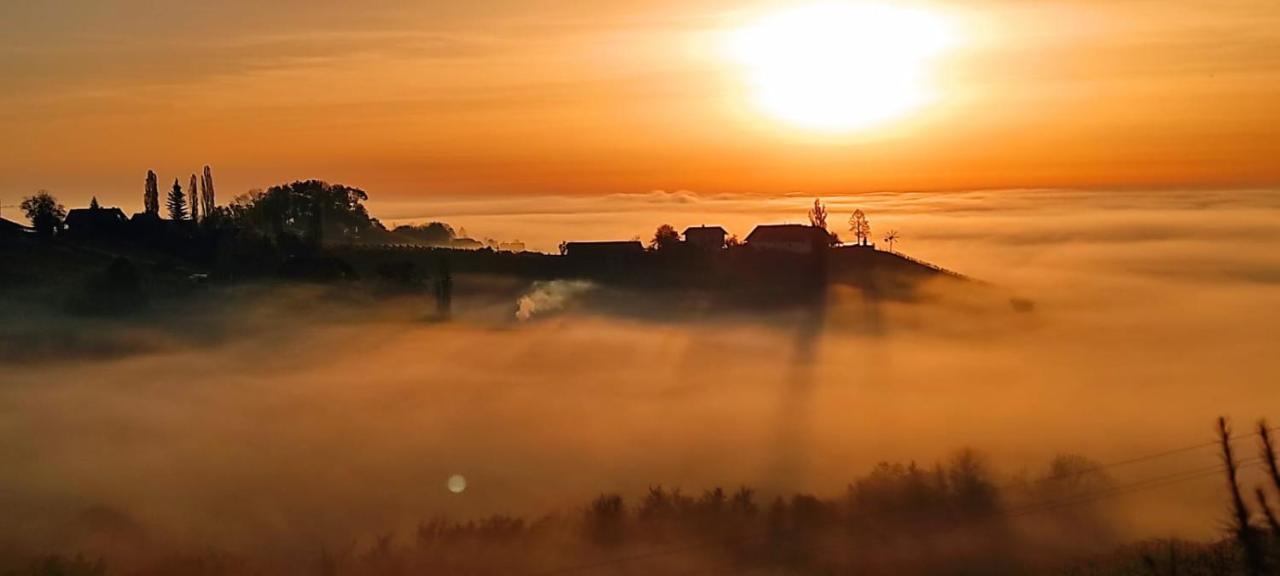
841,66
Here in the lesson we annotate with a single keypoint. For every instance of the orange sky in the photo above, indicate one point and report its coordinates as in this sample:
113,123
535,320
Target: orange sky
414,99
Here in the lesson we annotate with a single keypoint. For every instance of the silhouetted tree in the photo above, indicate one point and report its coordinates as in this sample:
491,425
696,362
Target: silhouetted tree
744,503
151,195
891,238
312,210
176,203
969,479
818,215
732,241
606,519
193,199
93,203
665,237
431,234
206,192
44,212
861,227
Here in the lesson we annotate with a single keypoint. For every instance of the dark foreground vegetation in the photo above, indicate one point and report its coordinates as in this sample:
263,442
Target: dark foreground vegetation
953,517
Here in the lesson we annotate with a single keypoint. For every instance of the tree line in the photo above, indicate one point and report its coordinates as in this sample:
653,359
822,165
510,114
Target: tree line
311,210
180,204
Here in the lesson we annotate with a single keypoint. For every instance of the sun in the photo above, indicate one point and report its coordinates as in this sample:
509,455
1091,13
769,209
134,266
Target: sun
841,66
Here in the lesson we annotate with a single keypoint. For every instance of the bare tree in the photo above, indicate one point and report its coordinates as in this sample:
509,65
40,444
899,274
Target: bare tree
891,238
861,227
151,195
818,214
193,198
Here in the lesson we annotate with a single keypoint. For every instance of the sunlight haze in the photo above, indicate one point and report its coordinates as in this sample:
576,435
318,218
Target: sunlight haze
499,97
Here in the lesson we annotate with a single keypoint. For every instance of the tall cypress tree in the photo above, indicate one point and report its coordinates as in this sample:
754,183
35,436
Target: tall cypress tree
177,202
193,199
151,195
206,192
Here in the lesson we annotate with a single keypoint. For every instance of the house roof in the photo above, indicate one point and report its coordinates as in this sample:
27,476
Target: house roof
11,227
613,248
78,214
607,243
697,229
785,233
144,216
625,244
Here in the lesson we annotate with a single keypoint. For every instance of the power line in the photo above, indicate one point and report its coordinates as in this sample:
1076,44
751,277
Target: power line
1138,486
671,551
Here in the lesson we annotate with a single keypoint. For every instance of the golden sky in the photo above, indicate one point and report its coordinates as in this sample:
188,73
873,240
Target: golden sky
412,99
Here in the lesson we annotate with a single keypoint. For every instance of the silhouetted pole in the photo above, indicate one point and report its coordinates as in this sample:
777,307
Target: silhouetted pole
1268,513
1255,563
444,288
1269,454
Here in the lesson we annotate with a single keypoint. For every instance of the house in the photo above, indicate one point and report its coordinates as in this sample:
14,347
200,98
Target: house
603,251
705,237
792,238
91,222
146,226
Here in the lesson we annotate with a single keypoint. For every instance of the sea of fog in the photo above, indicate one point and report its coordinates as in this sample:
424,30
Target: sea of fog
296,415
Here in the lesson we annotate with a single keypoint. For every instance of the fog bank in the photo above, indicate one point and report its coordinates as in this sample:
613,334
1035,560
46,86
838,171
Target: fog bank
304,418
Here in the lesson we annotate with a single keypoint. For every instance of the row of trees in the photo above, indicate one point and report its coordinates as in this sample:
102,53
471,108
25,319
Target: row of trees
309,212
180,205
859,225
47,214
